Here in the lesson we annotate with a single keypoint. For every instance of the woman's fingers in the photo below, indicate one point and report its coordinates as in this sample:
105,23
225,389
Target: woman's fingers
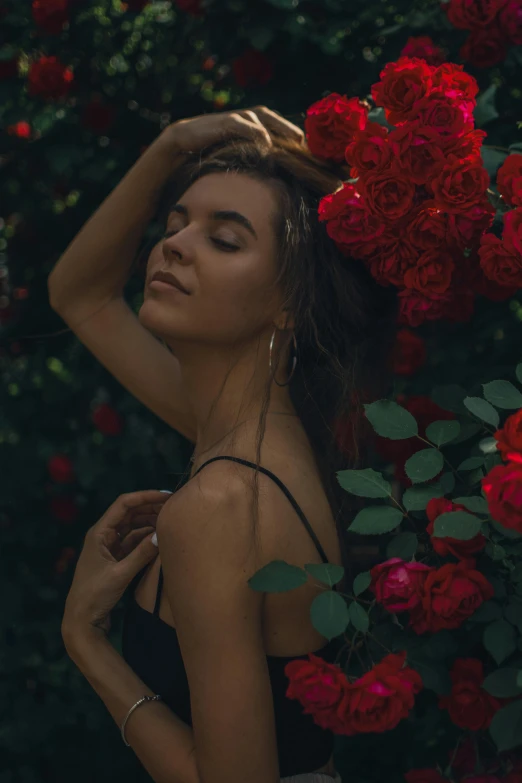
133,538
277,124
125,506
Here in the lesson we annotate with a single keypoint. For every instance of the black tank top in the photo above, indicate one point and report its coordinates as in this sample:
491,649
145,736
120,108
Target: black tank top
150,647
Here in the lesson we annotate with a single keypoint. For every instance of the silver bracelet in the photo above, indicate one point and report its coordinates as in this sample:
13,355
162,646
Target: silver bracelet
140,701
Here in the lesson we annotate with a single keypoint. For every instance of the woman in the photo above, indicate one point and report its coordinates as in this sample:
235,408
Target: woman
272,336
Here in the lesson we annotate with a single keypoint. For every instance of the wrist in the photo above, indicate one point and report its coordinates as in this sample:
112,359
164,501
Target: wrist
78,638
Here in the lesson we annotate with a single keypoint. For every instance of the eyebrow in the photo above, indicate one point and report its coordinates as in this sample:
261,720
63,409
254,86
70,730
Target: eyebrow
220,214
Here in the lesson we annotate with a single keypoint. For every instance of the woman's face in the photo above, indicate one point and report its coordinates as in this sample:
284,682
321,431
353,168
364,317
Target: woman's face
220,244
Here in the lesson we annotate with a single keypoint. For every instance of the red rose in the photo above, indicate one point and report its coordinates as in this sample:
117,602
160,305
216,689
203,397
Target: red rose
469,706
348,221
396,583
403,83
454,80
252,68
61,469
446,114
510,21
415,308
429,228
472,14
424,776
321,688
331,124
499,262
509,180
382,697
503,489
484,48
391,259
432,272
369,149
50,15
460,184
446,545
449,596
423,48
107,420
467,145
48,78
63,508
515,776
509,438
417,149
512,233
467,228
409,353
389,193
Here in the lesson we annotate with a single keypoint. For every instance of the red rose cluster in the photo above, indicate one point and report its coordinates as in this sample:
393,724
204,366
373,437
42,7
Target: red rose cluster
493,24
503,484
376,702
418,208
436,598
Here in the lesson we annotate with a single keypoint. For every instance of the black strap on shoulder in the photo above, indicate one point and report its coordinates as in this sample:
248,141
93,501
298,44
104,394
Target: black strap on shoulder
281,486
285,490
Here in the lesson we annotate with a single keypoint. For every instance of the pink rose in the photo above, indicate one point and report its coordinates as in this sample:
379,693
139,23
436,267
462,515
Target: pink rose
395,583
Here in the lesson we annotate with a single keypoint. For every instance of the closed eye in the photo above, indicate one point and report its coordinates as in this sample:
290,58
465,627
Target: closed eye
225,246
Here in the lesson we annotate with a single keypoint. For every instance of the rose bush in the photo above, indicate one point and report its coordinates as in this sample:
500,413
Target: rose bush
441,613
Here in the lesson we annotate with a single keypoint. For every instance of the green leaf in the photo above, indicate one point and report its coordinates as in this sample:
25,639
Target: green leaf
277,577
513,614
329,614
424,465
502,394
404,545
503,683
449,397
447,483
440,432
471,463
390,420
518,372
329,573
417,498
456,524
482,410
495,551
474,503
361,582
492,159
499,639
375,520
486,613
485,109
507,532
506,726
359,617
365,483
435,677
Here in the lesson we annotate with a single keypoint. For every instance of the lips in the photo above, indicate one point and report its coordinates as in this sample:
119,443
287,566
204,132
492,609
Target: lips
169,279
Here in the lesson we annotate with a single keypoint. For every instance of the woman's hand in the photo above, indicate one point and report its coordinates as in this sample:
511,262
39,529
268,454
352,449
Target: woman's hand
115,549
259,124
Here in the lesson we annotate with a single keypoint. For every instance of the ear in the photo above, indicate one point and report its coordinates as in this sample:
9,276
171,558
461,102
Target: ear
285,320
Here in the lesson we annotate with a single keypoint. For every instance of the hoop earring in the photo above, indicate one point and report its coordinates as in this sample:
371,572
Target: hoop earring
294,362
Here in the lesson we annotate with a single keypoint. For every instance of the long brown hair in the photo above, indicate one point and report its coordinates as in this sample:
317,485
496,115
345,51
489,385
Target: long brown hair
345,323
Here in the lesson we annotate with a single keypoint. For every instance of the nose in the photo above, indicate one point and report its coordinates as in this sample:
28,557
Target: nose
179,244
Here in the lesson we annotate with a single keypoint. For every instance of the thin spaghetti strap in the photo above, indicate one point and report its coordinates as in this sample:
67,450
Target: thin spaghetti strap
158,594
283,488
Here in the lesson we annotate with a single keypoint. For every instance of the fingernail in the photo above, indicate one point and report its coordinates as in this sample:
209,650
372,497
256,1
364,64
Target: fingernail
154,539
167,491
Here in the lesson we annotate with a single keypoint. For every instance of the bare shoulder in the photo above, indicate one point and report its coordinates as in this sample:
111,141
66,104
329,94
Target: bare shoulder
211,511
